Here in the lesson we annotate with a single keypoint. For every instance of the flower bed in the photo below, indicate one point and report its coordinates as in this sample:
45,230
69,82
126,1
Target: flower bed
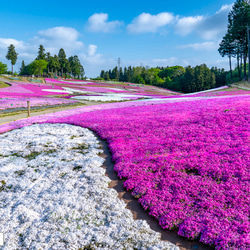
187,163
55,195
7,103
105,87
22,89
222,91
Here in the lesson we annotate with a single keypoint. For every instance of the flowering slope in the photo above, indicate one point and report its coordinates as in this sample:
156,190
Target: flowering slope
55,195
110,87
187,163
6,103
222,91
22,89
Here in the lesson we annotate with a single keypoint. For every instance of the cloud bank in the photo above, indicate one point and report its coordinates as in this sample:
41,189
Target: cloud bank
206,27
146,22
99,23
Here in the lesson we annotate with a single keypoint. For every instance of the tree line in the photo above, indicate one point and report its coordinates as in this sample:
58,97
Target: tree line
48,65
235,42
178,78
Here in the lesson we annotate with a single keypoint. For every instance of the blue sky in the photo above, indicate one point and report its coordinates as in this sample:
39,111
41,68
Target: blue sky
142,32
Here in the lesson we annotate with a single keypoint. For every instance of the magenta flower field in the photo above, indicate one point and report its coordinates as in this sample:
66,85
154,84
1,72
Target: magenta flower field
186,162
223,92
23,89
10,103
185,157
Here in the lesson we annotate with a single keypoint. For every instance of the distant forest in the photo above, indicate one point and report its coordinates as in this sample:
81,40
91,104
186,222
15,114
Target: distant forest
178,78
45,64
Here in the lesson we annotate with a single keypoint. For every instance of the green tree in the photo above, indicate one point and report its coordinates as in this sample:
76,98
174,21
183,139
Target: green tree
63,60
137,74
12,55
41,53
102,74
130,73
139,79
34,68
238,23
76,67
220,76
115,74
125,75
55,64
3,68
172,72
227,48
39,66
188,80
49,60
106,76
22,66
121,76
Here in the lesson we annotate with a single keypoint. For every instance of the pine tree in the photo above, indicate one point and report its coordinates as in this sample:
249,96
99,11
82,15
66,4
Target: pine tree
41,53
55,64
22,66
102,74
62,59
75,66
227,48
121,77
12,55
238,21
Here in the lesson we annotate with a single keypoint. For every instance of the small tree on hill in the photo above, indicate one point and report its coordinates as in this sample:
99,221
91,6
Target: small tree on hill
62,59
12,55
38,66
22,66
41,53
3,68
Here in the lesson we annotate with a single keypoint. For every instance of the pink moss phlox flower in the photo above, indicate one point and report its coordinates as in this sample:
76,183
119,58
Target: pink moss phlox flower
187,161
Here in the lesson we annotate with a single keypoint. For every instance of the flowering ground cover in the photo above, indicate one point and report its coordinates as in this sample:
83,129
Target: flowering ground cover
55,195
221,91
188,163
111,87
17,95
7,103
23,89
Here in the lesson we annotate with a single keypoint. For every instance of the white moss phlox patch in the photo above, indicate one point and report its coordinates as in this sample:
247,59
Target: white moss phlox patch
55,195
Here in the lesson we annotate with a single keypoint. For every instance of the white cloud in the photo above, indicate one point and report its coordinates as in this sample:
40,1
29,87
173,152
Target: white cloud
200,46
92,49
146,22
207,27
5,43
59,37
98,22
59,33
186,25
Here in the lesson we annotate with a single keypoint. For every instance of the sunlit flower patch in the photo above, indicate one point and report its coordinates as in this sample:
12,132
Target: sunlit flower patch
22,89
187,163
110,87
9,103
221,91
55,195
